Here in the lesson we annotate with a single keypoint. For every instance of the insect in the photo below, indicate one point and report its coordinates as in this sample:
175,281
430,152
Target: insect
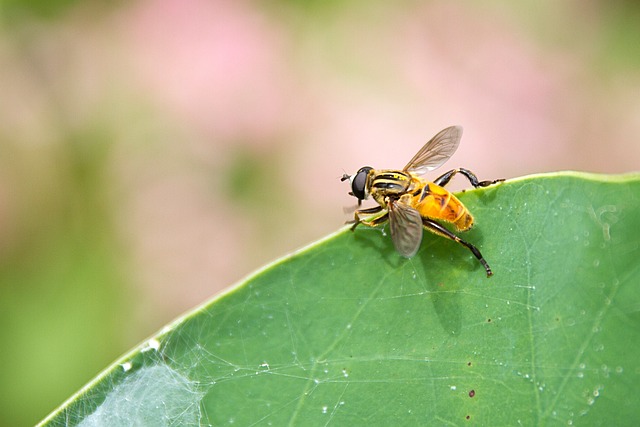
410,203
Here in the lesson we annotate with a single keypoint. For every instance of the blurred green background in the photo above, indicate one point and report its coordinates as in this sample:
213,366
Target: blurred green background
154,152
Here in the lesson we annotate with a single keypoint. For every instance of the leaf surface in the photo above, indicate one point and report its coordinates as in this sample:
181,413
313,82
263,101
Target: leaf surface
348,332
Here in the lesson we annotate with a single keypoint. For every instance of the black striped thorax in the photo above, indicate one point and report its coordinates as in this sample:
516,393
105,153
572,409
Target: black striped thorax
390,182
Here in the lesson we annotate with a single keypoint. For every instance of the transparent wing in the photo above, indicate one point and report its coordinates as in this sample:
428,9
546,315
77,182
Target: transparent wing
406,228
435,152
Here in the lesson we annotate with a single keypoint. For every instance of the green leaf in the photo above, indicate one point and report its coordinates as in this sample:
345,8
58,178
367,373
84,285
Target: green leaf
347,332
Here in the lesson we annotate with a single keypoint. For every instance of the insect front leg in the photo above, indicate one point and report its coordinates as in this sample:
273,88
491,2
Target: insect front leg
369,211
473,179
440,230
375,221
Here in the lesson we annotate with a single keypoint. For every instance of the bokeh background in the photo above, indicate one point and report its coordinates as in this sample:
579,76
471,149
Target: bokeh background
154,152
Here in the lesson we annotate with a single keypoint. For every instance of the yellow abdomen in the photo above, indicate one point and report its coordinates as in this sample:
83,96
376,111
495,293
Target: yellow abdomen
435,202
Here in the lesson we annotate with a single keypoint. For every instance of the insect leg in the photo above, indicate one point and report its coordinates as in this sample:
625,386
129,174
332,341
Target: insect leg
369,211
473,179
438,229
376,221
371,223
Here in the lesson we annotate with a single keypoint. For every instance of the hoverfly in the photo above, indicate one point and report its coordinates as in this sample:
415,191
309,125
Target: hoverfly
410,203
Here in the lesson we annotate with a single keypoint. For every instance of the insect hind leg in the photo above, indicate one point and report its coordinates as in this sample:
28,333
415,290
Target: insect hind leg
440,230
473,179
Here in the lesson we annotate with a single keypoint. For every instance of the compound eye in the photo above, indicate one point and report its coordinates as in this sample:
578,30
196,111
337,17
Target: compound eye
359,183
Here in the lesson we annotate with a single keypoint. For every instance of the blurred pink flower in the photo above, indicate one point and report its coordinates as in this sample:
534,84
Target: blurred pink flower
220,65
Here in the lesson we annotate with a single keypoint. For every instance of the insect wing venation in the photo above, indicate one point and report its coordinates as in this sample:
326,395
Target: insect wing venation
406,228
435,152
